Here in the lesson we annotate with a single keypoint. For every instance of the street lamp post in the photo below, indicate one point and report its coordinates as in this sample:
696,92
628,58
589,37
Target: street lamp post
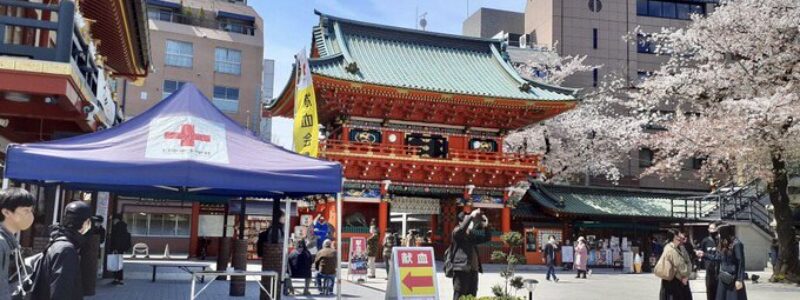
530,285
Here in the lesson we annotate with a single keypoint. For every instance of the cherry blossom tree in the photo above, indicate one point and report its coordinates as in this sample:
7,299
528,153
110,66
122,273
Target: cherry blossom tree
732,90
729,94
589,140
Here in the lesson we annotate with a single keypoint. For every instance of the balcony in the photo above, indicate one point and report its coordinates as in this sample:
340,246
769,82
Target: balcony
363,161
49,79
193,18
54,37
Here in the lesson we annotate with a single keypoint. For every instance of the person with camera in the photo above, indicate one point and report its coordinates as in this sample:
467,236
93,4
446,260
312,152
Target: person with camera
470,232
708,250
731,276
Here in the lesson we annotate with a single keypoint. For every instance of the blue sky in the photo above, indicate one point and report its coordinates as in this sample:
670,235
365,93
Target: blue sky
288,23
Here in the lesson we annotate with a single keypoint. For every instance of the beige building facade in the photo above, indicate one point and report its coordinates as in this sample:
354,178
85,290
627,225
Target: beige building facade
600,30
215,44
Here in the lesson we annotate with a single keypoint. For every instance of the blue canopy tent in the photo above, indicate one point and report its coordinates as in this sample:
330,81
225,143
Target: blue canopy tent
182,148
182,145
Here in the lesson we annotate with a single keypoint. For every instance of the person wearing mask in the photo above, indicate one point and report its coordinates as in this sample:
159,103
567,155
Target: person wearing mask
388,244
16,215
550,257
300,261
372,251
674,268
730,254
325,263
119,243
581,257
470,232
59,276
707,251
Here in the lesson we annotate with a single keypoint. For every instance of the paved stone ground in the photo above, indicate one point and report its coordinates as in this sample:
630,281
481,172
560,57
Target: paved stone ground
174,284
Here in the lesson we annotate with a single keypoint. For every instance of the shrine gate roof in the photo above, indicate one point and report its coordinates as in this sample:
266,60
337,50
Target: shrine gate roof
602,201
414,59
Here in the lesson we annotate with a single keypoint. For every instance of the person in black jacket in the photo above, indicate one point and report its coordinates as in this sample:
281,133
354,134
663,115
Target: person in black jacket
550,257
60,276
708,249
470,232
731,275
300,261
272,235
119,243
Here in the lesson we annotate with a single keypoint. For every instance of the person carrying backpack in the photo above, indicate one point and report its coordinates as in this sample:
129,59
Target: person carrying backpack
57,275
119,243
16,215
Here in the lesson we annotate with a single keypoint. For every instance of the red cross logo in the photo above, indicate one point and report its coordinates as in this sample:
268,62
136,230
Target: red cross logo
187,136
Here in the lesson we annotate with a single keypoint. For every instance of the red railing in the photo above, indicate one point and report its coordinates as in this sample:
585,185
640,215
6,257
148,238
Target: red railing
453,155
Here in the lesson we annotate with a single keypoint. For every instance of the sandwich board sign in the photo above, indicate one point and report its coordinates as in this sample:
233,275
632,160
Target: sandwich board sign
413,274
358,256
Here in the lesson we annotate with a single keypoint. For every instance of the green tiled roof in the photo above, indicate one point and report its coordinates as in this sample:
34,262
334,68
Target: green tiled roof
581,200
404,58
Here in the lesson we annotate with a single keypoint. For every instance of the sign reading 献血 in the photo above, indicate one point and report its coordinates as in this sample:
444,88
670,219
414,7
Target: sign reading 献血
306,123
413,274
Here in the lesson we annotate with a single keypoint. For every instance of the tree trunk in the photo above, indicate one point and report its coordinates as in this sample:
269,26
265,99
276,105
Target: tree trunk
789,267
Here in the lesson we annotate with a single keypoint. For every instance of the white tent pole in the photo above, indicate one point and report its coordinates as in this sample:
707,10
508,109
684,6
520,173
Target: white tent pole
57,204
5,183
287,219
339,246
404,225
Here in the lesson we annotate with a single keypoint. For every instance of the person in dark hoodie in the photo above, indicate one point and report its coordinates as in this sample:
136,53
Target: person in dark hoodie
59,276
16,215
300,261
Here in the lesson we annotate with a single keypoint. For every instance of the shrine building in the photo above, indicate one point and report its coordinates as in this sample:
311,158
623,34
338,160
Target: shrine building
418,119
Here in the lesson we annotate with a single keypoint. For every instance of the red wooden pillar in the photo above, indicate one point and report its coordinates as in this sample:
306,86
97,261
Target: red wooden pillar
383,210
330,210
194,228
506,214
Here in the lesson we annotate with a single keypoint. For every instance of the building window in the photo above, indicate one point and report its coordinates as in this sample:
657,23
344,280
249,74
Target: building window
645,158
641,77
670,9
697,162
237,26
643,45
228,61
594,38
160,225
226,99
594,77
170,86
179,54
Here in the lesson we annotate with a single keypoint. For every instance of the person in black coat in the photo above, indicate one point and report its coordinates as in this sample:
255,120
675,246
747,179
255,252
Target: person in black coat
60,276
470,232
272,235
731,276
708,246
300,261
119,243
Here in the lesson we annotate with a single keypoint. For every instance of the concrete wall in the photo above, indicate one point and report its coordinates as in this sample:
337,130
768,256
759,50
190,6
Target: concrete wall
486,22
756,246
204,41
